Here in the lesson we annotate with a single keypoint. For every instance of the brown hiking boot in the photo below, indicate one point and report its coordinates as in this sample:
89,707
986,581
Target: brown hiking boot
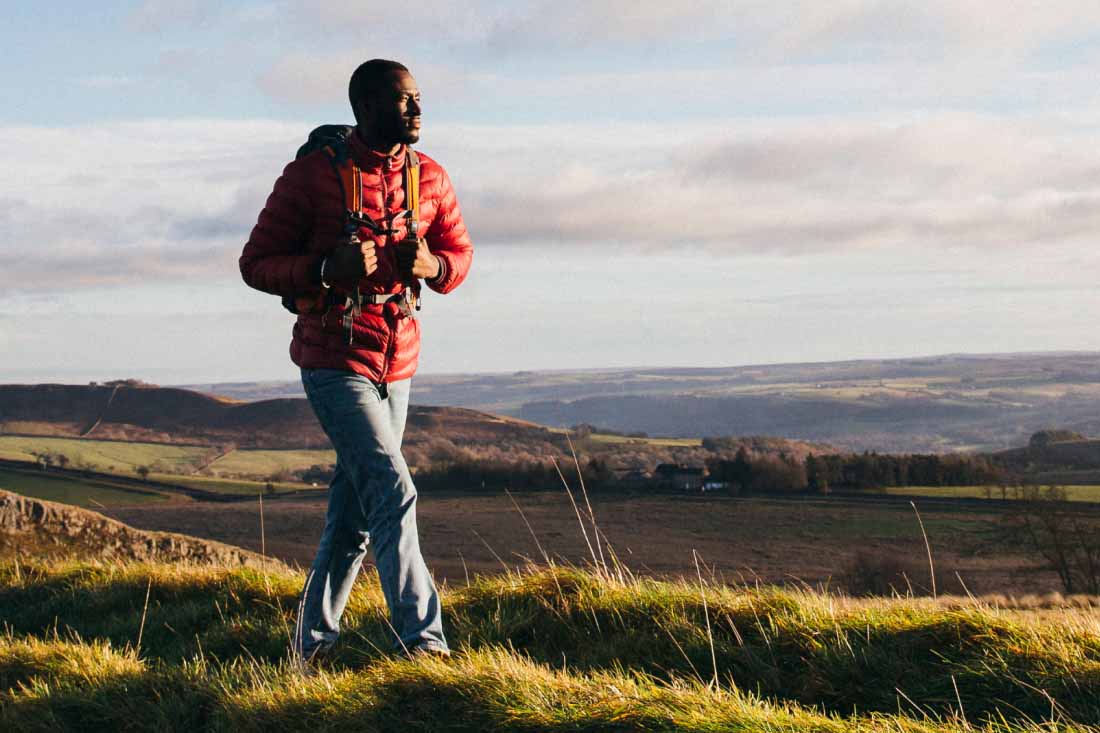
428,650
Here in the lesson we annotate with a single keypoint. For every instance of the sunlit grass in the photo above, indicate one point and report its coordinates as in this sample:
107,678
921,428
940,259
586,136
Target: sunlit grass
545,649
258,463
108,456
1073,493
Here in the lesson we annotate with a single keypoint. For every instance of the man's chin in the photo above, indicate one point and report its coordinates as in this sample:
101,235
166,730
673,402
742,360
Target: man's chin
410,137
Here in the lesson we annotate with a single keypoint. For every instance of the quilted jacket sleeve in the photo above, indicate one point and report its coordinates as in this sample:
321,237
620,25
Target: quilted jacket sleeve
275,258
448,239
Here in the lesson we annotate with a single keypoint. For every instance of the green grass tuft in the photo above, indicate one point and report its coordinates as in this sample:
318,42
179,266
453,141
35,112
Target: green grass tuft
549,649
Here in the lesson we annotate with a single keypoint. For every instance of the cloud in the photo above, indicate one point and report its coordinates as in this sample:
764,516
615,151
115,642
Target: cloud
307,80
302,79
133,202
958,42
796,27
616,60
930,184
174,201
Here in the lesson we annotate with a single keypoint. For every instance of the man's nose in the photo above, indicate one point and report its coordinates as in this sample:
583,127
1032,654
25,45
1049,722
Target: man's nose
414,108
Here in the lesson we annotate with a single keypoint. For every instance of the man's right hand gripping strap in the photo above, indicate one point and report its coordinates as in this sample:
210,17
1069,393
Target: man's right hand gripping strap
351,190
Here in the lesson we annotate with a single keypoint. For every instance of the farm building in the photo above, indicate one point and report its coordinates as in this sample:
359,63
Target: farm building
677,475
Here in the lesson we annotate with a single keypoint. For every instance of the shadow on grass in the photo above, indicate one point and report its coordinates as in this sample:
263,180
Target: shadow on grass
782,645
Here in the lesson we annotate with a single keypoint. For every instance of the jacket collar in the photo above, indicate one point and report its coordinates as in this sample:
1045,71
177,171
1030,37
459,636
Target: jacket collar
368,159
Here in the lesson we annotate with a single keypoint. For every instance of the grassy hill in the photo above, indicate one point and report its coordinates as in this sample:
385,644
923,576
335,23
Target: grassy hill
202,645
122,428
550,649
933,404
150,414
1079,454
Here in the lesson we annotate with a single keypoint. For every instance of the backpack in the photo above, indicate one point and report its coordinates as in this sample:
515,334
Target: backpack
333,139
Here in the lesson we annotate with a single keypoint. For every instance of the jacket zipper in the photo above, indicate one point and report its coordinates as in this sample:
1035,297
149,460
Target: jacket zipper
391,345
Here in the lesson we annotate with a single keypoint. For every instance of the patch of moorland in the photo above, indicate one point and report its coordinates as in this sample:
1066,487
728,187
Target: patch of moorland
548,649
127,428
931,404
202,427
150,414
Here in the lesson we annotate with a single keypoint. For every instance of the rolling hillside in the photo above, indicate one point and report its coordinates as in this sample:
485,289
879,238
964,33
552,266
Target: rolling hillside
931,404
145,413
233,432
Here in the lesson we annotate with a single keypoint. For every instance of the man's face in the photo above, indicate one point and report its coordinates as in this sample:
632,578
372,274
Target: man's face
393,115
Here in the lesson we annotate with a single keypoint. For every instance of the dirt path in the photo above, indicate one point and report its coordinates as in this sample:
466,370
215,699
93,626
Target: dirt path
211,461
102,413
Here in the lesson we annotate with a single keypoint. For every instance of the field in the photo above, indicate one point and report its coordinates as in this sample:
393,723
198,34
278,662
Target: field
711,613
821,541
238,472
606,438
88,494
787,541
229,487
155,647
1073,493
107,456
262,463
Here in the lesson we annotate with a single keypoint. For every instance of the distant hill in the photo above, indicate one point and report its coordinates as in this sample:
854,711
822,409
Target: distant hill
434,436
171,415
1065,461
932,404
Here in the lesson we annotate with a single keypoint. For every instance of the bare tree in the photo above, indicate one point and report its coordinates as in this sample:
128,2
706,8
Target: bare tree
1044,523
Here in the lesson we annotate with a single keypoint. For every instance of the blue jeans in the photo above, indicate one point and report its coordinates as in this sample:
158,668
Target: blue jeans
371,500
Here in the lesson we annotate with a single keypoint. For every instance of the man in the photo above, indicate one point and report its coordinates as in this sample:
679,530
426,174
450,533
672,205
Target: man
357,339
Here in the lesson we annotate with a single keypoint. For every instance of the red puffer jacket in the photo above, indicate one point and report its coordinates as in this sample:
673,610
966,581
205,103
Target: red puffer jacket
303,221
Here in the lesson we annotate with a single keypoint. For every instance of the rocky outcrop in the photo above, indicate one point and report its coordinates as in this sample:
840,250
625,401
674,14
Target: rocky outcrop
32,527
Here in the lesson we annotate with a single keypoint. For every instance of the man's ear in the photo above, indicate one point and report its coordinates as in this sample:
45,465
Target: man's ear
361,110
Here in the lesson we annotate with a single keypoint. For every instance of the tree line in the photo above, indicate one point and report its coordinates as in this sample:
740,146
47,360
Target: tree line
853,472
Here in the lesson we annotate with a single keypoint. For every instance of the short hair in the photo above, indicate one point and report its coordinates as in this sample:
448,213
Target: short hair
369,78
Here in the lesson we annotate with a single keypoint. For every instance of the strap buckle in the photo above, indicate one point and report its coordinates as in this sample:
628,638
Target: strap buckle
358,219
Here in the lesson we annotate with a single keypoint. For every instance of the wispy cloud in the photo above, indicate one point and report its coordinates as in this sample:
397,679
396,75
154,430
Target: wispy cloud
139,202
891,27
303,79
175,201
815,185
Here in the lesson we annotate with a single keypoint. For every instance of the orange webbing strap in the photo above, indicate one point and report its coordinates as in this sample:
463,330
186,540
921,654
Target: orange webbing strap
412,205
351,183
351,186
412,191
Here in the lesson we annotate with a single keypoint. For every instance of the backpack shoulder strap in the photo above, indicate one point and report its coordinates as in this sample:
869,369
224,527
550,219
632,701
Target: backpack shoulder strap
412,190
332,140
347,175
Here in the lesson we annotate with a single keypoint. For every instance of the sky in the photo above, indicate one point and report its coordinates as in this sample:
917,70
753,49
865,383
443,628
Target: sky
646,184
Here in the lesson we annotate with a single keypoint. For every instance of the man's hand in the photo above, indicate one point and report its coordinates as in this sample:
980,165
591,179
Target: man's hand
351,262
415,260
